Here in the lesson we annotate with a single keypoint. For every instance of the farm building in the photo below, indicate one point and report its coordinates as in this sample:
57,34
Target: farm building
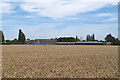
84,43
93,43
42,42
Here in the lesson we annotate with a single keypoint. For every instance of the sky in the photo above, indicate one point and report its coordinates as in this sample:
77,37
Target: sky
46,19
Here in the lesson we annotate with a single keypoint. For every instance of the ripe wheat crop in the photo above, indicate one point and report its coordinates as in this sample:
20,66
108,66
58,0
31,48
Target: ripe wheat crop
45,61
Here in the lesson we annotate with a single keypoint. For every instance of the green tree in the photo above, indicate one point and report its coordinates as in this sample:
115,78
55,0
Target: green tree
21,37
117,41
2,39
8,41
77,39
93,37
28,39
66,39
88,38
15,40
110,38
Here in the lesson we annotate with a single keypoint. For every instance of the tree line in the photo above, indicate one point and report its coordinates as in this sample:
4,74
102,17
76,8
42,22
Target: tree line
21,39
108,38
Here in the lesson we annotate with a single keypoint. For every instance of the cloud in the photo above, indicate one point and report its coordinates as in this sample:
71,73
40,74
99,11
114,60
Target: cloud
72,18
110,1
104,14
111,19
6,7
57,9
28,16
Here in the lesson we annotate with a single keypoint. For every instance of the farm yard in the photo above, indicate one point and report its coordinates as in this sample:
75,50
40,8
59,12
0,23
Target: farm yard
47,61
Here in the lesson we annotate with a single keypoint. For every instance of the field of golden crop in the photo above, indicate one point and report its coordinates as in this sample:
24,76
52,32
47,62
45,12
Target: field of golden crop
44,61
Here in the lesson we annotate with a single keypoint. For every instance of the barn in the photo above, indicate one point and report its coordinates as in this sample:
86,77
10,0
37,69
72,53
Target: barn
42,42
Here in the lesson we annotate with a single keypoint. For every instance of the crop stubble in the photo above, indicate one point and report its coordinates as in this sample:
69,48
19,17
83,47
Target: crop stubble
45,61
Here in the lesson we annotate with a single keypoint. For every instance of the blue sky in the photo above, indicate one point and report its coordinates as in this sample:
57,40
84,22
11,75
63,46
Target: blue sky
59,18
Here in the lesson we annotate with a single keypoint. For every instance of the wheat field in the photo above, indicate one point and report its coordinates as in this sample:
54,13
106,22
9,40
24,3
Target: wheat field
47,61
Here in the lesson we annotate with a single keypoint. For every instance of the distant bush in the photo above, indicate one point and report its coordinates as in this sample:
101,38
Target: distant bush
66,39
9,43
